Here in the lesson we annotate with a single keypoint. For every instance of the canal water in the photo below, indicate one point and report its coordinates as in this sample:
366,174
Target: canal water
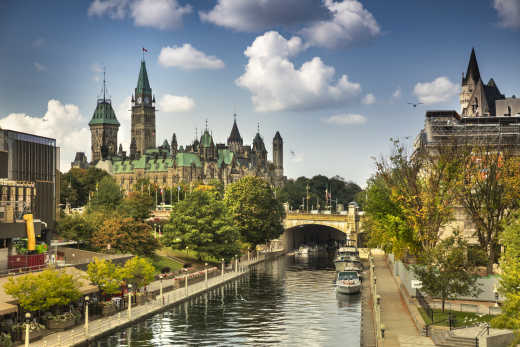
288,302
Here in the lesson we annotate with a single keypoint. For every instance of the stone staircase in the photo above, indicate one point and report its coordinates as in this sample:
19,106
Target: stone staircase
443,338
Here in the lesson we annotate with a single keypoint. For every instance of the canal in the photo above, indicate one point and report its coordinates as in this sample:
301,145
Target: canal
289,301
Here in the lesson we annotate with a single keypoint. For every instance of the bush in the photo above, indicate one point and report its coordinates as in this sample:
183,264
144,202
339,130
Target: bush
5,340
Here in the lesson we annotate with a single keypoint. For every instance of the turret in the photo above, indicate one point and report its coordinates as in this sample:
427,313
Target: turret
469,82
143,113
235,141
278,154
104,127
173,146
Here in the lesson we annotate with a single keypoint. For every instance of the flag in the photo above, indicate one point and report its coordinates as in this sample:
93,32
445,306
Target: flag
145,50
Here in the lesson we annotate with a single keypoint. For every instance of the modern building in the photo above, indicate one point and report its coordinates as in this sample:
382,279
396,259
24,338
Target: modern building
169,164
29,184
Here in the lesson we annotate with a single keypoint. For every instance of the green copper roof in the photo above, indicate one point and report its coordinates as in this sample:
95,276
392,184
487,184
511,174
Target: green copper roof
205,140
104,114
225,156
143,85
187,159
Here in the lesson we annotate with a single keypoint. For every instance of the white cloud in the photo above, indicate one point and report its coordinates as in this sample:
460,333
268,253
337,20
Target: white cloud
275,83
174,103
39,67
62,122
345,119
350,23
509,12
38,42
265,14
189,58
397,93
160,14
369,99
439,90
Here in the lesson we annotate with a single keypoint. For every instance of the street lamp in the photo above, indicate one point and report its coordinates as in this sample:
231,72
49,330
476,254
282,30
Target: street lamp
222,267
187,250
87,299
382,331
129,301
206,274
27,323
161,290
495,291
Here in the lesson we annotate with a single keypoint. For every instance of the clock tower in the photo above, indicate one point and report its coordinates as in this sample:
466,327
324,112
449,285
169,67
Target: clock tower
143,115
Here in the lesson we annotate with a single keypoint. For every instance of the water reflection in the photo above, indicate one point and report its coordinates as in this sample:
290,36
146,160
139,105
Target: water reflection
289,302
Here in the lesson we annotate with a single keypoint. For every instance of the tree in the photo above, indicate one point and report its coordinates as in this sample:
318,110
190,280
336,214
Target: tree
75,227
256,213
510,276
105,275
137,205
489,191
385,221
138,272
422,185
107,196
77,184
202,223
44,290
445,271
125,235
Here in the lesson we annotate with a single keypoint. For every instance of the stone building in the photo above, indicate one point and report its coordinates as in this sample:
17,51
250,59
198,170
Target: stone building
487,118
169,164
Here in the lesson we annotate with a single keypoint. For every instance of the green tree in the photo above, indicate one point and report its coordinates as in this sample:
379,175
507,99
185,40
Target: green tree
105,275
75,227
385,222
445,271
489,191
422,185
138,272
107,197
202,223
137,205
256,213
42,291
510,276
78,183
125,235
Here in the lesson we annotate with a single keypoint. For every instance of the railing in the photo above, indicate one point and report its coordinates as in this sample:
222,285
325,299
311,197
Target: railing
103,325
376,303
484,330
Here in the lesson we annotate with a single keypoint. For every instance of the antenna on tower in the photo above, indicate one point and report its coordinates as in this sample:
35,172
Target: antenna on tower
206,124
258,127
104,83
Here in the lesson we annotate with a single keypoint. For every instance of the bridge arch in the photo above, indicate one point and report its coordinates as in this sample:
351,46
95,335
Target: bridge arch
308,233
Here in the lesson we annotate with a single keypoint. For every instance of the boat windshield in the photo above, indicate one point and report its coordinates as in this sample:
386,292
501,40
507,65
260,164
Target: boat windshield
347,275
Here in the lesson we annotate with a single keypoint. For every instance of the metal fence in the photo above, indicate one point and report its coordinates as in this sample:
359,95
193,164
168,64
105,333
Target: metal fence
376,303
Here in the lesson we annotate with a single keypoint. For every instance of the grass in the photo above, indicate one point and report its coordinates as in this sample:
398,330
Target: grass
160,262
461,318
191,257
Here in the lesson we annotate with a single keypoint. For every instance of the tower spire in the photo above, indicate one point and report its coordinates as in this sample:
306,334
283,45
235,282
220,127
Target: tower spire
473,69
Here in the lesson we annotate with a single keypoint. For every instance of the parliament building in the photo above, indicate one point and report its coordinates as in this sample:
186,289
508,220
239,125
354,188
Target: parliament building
169,164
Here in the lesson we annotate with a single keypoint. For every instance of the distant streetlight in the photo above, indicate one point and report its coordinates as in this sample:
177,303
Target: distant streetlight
87,299
495,291
129,301
161,288
206,274
27,324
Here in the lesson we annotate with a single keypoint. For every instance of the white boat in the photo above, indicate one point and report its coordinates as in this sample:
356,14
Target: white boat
344,263
348,282
303,251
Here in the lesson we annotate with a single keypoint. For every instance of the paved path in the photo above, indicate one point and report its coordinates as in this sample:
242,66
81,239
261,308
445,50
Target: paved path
400,330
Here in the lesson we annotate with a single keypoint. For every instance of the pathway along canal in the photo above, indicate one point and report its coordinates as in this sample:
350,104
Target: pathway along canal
289,301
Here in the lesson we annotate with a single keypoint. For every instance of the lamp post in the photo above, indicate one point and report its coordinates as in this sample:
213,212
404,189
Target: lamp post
161,290
495,291
27,324
222,267
187,250
87,299
382,331
129,301
236,263
206,274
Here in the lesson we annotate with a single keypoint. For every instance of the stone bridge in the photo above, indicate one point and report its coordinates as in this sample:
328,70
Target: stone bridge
320,227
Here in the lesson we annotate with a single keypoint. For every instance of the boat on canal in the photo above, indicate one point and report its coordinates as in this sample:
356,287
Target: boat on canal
348,264
348,282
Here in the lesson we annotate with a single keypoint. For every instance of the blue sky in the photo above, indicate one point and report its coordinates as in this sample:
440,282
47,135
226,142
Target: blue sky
334,77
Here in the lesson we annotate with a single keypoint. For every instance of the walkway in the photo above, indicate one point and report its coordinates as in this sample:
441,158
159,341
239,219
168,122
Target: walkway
400,330
104,325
